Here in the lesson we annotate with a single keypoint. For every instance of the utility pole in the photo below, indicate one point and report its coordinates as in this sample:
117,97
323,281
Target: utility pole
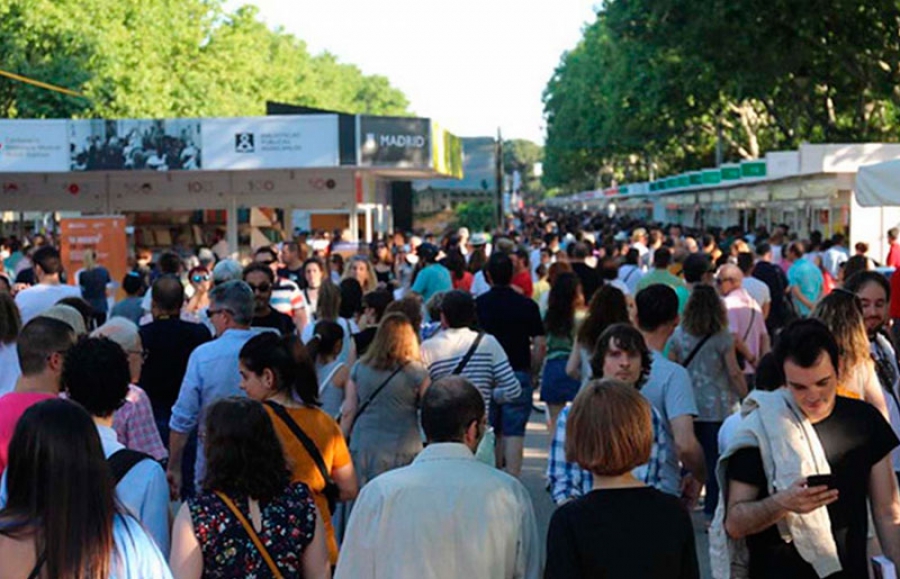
719,152
499,178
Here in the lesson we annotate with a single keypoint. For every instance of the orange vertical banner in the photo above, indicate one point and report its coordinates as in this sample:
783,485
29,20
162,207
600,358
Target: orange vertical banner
105,235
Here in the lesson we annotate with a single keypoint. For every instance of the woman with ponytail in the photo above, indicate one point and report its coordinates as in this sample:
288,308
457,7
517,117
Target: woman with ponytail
325,350
281,373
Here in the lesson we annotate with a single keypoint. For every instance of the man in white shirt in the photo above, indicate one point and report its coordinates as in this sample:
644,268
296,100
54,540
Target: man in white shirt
757,289
35,300
836,255
447,514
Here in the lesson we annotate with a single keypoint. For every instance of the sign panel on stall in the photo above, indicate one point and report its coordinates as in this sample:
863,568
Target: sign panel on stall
447,156
279,142
148,191
53,192
298,188
37,146
394,142
105,235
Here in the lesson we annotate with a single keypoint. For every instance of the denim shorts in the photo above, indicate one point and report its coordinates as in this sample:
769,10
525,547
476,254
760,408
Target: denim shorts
556,386
510,418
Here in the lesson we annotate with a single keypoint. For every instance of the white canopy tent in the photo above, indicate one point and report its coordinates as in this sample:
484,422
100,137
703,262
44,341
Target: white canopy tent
879,184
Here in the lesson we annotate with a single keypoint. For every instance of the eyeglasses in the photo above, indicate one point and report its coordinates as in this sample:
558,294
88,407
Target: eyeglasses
721,280
214,311
144,354
199,278
261,288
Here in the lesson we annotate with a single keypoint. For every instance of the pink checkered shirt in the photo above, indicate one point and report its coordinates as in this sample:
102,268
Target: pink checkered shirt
135,426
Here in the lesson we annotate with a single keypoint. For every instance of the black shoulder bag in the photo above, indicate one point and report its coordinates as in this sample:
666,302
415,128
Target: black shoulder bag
377,391
331,491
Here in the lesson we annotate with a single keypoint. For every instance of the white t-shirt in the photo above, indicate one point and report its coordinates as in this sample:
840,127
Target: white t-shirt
39,298
758,290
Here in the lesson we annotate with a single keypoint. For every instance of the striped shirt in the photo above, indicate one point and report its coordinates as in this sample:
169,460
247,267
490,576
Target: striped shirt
286,297
488,368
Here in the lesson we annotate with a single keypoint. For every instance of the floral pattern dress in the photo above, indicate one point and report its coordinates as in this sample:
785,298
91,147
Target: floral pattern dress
288,526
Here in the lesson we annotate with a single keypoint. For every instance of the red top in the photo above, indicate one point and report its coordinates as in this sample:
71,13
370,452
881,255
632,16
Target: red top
893,257
12,407
523,281
464,283
895,294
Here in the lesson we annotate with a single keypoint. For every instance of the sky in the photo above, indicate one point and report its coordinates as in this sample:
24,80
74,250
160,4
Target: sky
472,65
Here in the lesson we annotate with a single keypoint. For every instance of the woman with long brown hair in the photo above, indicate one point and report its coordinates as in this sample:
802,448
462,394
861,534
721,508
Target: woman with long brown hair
842,312
607,307
61,518
566,302
382,400
703,344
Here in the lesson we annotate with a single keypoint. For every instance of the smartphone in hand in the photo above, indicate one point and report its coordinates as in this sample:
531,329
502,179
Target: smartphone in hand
820,480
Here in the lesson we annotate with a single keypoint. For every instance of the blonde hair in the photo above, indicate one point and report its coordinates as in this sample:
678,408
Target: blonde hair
89,259
609,430
371,278
842,313
396,342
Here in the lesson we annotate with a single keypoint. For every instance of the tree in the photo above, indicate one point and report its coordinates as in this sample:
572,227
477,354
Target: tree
169,58
652,84
521,155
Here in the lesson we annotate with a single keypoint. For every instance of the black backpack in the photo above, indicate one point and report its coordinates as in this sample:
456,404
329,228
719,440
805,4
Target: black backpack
122,461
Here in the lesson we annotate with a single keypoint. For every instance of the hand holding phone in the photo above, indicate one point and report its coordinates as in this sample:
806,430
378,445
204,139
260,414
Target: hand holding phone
820,480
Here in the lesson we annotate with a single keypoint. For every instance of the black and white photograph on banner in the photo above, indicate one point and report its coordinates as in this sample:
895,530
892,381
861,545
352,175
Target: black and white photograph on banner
151,145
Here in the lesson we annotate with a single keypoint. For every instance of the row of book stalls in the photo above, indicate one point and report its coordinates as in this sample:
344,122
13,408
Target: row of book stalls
831,188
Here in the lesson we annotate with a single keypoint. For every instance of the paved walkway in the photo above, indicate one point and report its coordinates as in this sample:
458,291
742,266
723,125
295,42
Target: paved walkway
537,442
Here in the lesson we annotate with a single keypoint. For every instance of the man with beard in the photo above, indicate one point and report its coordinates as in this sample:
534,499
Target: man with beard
874,293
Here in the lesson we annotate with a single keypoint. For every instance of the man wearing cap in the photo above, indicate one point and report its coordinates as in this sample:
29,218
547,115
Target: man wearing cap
431,277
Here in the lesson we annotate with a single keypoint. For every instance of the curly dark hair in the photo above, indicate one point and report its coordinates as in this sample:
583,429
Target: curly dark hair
96,375
560,318
607,307
243,455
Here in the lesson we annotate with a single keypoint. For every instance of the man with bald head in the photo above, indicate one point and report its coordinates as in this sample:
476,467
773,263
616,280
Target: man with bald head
745,319
168,342
452,516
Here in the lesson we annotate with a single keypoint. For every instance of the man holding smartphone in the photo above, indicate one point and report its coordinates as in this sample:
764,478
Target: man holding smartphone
856,441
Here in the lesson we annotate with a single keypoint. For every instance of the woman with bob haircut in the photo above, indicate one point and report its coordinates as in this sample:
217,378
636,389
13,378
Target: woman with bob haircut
607,307
622,528
249,520
704,345
280,373
842,312
382,402
61,518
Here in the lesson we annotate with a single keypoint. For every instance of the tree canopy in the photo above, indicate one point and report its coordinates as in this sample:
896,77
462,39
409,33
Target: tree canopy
169,58
652,83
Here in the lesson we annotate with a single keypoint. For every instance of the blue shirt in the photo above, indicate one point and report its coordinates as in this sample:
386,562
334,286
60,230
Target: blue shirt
143,491
569,481
806,276
669,390
212,374
431,280
140,555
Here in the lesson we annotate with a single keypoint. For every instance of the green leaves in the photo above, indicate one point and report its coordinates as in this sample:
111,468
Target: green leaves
169,58
651,82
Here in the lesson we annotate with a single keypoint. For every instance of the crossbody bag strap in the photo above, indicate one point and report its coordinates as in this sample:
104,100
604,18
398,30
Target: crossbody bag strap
374,394
750,325
690,358
471,352
304,439
251,532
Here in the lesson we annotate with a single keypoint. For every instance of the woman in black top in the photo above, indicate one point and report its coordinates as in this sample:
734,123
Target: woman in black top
622,528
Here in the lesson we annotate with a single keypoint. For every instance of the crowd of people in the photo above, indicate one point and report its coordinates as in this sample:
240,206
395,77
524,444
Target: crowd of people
361,411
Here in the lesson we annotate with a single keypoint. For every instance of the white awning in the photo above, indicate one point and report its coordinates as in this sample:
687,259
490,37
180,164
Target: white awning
878,184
